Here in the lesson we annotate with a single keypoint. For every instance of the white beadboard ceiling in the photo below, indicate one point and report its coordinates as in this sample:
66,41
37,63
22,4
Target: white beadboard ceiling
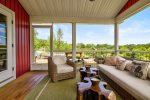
77,9
73,8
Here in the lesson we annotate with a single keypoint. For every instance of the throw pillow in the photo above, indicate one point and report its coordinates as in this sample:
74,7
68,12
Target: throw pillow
120,58
140,69
99,60
148,74
129,64
121,64
111,60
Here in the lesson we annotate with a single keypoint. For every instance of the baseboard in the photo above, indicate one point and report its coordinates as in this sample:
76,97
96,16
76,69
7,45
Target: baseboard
7,81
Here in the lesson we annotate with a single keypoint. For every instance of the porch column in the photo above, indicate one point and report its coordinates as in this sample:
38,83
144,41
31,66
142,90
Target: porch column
73,42
116,38
51,40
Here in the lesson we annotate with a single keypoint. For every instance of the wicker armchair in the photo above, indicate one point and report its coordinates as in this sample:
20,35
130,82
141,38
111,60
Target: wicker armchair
59,68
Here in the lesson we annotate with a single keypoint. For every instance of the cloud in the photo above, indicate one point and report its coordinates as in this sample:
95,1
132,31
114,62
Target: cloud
43,33
137,32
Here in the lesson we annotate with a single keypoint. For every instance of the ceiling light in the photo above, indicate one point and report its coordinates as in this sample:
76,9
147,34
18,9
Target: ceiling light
92,0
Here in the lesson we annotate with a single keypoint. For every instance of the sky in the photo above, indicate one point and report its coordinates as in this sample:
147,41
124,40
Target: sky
134,30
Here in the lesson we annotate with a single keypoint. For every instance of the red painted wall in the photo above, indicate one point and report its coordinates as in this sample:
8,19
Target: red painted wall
22,36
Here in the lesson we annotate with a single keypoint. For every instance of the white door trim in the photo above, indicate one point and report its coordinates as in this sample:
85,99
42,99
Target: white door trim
39,66
14,46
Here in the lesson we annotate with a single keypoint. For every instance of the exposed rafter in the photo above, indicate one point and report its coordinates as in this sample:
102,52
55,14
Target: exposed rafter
132,9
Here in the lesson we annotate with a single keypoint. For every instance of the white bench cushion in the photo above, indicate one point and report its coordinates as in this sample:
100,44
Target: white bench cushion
64,68
137,87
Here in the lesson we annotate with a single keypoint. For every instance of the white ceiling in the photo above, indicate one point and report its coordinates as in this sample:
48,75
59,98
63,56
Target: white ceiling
73,10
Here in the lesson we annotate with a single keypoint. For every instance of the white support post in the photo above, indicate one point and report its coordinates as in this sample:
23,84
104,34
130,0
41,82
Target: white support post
73,42
116,38
51,40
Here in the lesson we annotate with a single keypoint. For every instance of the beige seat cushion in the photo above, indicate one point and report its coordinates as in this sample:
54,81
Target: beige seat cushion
58,59
64,68
137,87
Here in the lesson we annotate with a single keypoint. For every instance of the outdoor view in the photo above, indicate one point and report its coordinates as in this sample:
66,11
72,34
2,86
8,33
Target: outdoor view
97,41
41,44
62,37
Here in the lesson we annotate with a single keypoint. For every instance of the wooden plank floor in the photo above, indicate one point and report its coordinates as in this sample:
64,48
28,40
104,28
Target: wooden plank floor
19,88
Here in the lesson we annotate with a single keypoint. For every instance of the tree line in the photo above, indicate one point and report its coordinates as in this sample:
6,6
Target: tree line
59,44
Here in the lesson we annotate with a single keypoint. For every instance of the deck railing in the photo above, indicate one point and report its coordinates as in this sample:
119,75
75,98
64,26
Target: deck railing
90,55
137,55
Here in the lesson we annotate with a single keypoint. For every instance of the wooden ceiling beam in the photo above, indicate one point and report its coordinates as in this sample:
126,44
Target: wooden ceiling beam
127,6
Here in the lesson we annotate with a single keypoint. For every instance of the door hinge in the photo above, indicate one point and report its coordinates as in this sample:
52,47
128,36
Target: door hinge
12,68
12,22
12,45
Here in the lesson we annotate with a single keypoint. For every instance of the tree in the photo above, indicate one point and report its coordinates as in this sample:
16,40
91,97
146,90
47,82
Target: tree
36,41
59,38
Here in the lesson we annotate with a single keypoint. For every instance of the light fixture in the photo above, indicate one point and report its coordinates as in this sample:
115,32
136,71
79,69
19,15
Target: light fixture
92,0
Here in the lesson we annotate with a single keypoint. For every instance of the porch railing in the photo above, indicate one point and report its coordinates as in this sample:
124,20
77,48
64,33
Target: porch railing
137,55
90,55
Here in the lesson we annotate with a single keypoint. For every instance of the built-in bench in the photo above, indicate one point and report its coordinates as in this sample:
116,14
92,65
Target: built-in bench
127,85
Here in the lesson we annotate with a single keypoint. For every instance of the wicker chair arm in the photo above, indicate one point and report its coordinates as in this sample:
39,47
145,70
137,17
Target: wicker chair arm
71,64
52,67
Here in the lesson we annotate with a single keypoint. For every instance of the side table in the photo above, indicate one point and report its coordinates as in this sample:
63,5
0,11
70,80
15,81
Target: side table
96,87
87,73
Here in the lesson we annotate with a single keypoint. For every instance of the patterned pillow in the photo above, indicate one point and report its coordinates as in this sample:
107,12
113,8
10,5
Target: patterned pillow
121,64
129,64
140,69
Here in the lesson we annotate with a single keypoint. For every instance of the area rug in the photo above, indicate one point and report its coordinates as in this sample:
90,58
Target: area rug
61,90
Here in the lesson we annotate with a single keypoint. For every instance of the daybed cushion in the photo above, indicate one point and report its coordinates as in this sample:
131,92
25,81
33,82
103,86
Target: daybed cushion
64,68
139,88
58,60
